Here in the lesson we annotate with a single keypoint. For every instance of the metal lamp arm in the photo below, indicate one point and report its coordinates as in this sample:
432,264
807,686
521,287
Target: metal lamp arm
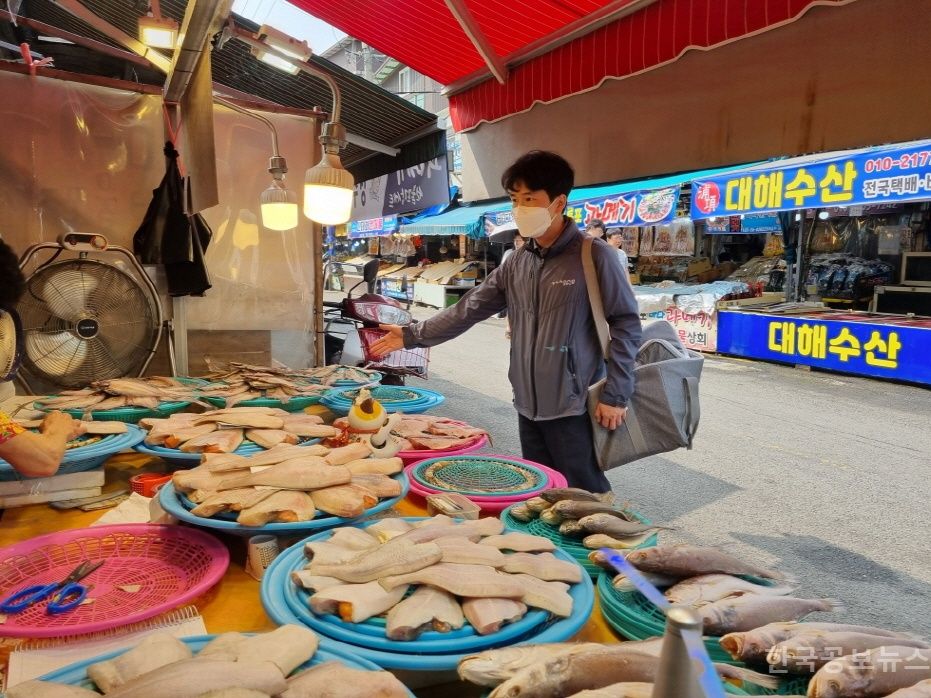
248,38
235,107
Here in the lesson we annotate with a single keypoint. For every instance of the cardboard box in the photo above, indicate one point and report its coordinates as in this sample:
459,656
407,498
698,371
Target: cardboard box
56,483
699,266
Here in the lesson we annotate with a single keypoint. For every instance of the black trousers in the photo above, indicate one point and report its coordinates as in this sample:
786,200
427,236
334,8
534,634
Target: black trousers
565,445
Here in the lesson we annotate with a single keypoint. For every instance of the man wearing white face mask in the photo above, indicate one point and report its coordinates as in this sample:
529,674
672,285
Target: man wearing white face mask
555,354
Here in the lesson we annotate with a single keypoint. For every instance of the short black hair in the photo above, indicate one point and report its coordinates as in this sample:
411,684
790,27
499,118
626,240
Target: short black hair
14,283
615,231
597,223
540,169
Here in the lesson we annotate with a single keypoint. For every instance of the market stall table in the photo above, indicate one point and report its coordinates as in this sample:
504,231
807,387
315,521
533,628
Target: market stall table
233,604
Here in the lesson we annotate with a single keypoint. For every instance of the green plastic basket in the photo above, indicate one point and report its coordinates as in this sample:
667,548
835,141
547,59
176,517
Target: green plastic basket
295,404
573,546
129,415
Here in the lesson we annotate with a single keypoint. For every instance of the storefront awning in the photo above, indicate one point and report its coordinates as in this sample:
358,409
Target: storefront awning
545,50
624,204
887,174
465,220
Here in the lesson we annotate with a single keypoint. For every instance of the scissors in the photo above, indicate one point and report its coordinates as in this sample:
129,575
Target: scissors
65,594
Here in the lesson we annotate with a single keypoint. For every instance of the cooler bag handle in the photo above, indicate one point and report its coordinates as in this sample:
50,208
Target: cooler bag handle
693,407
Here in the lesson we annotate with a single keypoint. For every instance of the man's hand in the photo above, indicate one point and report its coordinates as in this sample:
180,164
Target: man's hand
392,341
610,417
61,423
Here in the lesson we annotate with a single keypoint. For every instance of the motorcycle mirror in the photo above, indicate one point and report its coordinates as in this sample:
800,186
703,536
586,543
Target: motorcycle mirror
370,271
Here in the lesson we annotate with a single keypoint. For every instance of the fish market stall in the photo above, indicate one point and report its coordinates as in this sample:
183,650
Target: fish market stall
860,220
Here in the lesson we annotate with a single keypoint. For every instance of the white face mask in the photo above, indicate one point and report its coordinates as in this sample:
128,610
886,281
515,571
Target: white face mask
533,221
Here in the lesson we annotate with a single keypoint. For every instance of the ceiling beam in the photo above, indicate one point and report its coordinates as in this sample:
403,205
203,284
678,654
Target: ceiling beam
55,74
462,14
611,12
202,18
76,9
50,30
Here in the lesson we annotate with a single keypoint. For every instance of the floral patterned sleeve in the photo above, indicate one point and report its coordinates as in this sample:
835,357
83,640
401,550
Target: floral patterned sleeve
8,428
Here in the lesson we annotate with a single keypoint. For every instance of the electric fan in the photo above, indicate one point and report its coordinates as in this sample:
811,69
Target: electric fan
85,318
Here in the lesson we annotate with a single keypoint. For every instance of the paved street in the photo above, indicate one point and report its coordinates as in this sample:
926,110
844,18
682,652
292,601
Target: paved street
822,475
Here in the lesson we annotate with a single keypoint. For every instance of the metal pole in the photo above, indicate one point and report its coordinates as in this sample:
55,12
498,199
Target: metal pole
800,246
319,329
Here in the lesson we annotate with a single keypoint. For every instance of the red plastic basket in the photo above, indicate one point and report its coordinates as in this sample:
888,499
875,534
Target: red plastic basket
412,361
171,565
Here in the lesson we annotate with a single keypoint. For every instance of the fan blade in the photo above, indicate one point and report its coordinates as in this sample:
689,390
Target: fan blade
55,354
66,293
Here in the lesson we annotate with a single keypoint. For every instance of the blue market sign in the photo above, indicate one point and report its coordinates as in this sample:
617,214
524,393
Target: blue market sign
879,350
630,209
887,175
373,227
750,223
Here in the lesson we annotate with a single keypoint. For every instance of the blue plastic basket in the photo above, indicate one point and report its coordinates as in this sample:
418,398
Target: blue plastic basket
170,501
174,455
406,655
393,398
82,458
76,674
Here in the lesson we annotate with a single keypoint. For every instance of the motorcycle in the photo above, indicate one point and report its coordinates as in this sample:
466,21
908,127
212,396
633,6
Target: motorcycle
352,327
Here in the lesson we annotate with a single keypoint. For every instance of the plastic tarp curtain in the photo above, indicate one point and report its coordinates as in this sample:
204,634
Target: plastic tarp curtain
84,158
169,236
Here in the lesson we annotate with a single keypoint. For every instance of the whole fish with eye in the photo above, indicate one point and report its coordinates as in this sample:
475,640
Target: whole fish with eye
63,595
872,674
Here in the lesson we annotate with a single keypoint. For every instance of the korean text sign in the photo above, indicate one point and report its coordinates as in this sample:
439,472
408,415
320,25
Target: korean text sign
882,175
631,209
373,227
880,350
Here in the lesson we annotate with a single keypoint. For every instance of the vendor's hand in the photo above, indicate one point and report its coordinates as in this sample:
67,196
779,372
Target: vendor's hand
62,423
392,341
610,417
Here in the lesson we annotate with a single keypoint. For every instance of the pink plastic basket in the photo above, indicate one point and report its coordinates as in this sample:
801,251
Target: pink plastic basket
170,564
492,504
477,444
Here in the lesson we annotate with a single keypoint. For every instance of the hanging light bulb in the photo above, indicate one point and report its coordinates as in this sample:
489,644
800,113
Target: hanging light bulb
278,204
328,191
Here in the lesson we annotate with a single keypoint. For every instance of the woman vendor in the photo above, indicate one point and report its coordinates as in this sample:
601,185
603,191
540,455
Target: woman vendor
32,455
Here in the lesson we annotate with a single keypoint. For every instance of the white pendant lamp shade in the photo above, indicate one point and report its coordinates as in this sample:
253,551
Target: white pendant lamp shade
328,192
279,207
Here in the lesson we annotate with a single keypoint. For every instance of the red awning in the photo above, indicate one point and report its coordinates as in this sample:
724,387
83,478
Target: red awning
612,40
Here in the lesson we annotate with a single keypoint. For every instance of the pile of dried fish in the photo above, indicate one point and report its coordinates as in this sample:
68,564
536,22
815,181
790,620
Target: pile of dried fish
579,670
595,518
237,382
223,431
457,572
421,432
232,666
289,484
116,393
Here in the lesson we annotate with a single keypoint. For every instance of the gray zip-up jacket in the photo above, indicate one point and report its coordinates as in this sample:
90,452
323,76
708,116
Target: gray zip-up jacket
555,355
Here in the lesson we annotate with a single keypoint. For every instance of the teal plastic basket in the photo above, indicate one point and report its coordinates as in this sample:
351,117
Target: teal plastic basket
295,404
573,546
129,415
480,476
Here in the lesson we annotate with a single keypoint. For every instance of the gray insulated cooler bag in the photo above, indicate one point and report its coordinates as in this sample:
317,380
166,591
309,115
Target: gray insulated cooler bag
664,410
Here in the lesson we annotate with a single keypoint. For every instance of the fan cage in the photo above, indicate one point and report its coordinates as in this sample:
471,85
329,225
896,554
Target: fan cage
85,319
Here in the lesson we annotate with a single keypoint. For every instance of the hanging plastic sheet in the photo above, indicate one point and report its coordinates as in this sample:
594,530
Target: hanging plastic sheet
86,158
